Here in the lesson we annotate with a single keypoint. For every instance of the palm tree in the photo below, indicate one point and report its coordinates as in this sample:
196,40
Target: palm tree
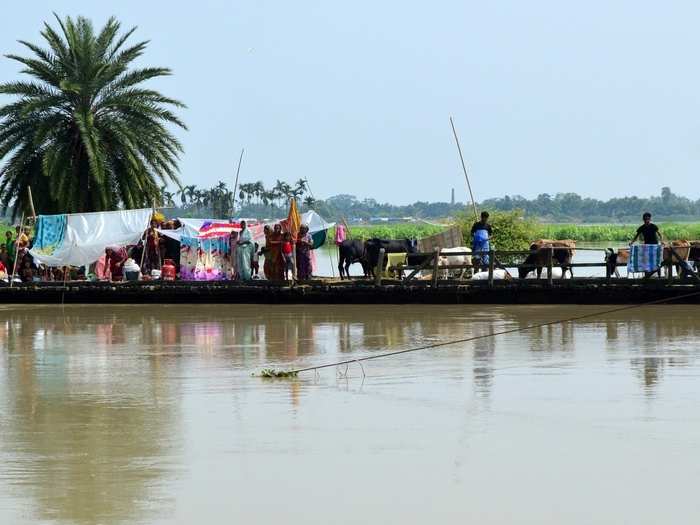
83,132
309,202
187,194
302,186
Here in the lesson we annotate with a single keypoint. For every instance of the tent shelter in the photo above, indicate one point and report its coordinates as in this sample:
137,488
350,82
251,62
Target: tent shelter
80,239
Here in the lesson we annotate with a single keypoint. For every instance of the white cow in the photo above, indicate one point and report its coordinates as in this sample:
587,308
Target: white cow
498,275
450,260
556,274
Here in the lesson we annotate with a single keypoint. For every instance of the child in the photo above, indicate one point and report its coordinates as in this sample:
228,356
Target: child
27,272
287,255
255,261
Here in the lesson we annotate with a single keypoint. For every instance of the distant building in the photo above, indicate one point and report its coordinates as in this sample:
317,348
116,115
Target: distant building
452,200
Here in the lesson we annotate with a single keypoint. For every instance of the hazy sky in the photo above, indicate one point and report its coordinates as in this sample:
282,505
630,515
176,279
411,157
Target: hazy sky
594,98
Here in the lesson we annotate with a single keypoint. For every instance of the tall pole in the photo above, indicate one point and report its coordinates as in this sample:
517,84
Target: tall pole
31,203
235,186
464,168
14,264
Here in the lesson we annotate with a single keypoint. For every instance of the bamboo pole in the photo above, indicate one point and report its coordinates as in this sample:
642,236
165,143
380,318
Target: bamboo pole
464,168
436,266
31,203
14,265
235,186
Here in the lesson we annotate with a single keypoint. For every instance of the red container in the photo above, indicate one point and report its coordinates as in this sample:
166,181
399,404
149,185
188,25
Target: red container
168,270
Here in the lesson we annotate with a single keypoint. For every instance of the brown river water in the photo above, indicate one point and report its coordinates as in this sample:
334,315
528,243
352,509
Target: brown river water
150,414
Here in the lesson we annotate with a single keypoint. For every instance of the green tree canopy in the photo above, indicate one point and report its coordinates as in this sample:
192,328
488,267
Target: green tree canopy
83,132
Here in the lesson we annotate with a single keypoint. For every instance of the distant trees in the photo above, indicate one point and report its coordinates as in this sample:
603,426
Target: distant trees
570,207
255,200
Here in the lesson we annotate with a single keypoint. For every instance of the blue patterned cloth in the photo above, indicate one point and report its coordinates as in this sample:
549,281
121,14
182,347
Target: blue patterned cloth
645,258
50,231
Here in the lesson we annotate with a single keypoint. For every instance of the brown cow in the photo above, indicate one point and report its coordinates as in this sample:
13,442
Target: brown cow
681,249
562,255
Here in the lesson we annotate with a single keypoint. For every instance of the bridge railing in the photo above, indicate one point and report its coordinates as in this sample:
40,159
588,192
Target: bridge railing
431,263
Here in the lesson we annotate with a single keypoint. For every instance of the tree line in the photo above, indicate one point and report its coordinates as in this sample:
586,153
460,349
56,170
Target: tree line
571,207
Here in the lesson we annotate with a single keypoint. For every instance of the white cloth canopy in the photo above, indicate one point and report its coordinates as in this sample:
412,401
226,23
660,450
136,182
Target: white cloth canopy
85,236
315,222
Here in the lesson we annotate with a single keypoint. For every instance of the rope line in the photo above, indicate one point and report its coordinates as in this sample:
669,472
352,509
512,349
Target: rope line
493,334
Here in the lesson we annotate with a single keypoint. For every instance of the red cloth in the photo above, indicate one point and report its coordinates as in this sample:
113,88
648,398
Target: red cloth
286,247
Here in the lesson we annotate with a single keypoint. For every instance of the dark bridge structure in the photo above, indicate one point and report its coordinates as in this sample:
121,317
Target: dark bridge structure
424,283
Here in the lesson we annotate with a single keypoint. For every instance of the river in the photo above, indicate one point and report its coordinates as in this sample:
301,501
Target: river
151,415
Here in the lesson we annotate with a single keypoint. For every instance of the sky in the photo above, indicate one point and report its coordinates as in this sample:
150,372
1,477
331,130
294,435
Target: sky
598,98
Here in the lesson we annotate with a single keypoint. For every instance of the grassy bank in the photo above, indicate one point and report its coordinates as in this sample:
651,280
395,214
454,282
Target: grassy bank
621,233
528,230
393,231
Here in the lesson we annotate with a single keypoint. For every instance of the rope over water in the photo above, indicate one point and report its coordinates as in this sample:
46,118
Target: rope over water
358,360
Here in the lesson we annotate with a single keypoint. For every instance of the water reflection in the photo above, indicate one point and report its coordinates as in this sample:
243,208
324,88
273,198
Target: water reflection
86,431
95,403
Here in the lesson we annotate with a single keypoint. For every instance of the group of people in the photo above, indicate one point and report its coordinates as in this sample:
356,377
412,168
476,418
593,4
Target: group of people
280,251
283,254
16,260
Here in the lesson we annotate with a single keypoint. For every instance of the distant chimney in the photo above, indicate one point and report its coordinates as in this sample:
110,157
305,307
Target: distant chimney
452,201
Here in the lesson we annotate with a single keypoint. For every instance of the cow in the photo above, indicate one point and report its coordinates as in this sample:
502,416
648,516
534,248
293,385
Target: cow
675,253
694,254
613,258
351,251
372,247
562,255
453,260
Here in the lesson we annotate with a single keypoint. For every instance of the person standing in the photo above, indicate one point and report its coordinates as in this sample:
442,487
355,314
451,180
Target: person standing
481,235
10,247
273,247
153,247
305,244
648,231
652,236
287,256
244,253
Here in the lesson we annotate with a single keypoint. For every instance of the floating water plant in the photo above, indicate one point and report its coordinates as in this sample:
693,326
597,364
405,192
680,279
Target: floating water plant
272,373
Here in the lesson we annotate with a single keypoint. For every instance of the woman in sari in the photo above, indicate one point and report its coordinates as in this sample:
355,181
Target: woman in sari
115,257
273,252
244,253
304,245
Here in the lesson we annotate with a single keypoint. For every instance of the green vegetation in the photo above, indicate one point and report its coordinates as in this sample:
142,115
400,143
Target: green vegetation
271,373
572,208
394,231
253,200
84,133
607,232
513,232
